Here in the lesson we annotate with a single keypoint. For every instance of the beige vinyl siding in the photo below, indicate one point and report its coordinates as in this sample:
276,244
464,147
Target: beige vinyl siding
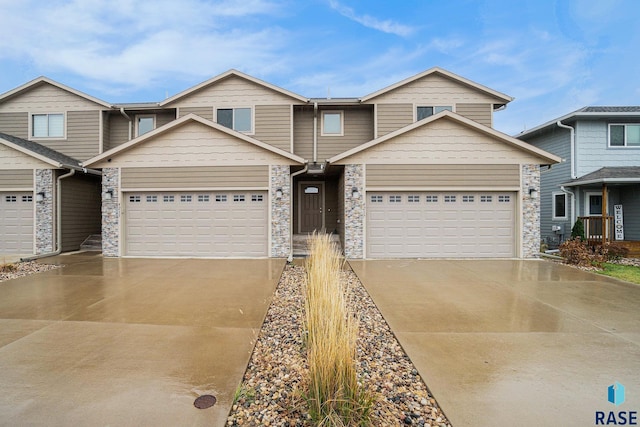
81,215
14,159
392,117
233,91
119,130
443,141
303,132
16,178
46,98
358,129
195,144
195,177
445,176
106,131
273,125
435,89
204,112
16,124
164,118
83,135
479,112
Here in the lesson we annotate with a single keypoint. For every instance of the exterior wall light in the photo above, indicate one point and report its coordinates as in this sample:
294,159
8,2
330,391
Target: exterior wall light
108,195
278,193
355,193
40,197
533,192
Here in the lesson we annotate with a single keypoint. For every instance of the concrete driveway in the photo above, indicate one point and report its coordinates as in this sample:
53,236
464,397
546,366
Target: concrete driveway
513,343
129,342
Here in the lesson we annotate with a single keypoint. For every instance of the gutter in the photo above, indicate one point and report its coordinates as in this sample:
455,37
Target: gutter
573,203
315,133
58,219
574,148
293,175
126,116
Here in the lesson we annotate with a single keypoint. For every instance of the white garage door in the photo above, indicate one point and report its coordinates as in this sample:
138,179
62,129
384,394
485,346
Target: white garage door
16,223
215,224
440,225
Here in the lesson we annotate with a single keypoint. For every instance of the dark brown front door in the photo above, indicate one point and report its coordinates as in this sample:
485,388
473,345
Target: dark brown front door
311,209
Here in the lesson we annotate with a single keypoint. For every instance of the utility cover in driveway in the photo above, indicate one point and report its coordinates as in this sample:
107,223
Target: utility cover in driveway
215,224
440,225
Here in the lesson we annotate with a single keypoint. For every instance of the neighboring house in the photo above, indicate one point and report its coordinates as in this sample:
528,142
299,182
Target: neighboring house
599,180
234,166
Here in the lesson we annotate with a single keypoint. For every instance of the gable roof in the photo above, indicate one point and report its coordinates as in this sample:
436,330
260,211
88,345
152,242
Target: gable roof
227,74
180,122
547,157
445,73
40,152
606,175
45,80
589,112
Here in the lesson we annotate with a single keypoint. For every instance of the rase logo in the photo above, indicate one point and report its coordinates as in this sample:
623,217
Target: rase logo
616,396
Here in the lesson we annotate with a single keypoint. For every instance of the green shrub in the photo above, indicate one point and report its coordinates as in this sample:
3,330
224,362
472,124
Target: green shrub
578,230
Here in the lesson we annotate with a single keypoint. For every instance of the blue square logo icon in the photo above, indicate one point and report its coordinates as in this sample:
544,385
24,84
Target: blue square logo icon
616,394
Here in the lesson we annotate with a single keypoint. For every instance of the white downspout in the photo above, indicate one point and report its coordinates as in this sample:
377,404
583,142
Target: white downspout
126,116
573,148
293,175
58,219
573,204
315,133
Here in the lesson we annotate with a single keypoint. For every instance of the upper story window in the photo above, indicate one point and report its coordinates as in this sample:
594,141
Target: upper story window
422,112
623,135
559,206
238,119
47,125
145,124
332,123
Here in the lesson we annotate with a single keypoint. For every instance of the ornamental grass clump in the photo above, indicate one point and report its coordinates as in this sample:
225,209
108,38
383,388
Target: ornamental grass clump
334,396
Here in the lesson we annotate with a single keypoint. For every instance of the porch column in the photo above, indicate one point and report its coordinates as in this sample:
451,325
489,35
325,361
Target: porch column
605,226
45,216
280,196
354,211
111,212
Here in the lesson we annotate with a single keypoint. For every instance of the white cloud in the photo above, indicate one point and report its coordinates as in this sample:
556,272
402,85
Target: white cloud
386,26
134,44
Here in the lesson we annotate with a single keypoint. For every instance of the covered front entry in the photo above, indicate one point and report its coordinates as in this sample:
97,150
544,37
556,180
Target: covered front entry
441,224
16,222
203,224
311,206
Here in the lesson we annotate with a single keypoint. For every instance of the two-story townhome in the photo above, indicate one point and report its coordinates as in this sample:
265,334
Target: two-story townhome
599,180
235,166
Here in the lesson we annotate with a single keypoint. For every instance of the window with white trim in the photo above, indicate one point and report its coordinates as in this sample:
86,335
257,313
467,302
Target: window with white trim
486,199
422,112
47,125
152,199
257,198
449,199
238,197
186,198
27,198
395,199
238,119
10,199
431,199
145,124
168,199
376,199
203,198
135,199
624,135
221,197
504,199
468,199
332,123
559,205
413,199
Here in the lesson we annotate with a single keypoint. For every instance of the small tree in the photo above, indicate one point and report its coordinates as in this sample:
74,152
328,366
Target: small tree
578,230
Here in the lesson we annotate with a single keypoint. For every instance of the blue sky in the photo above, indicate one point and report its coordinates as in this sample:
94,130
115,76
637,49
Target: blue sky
552,56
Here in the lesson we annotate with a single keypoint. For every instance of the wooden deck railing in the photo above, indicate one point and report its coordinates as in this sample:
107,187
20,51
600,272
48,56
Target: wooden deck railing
593,228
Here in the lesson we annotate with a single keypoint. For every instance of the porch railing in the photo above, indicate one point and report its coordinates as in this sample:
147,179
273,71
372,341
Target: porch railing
593,228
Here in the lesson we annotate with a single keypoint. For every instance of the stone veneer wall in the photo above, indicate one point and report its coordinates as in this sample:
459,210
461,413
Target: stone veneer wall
280,211
354,212
110,213
530,211
45,217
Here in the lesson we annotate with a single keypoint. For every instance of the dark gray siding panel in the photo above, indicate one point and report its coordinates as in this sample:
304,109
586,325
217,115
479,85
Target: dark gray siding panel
630,200
119,130
303,132
164,118
557,141
358,129
16,124
273,125
81,215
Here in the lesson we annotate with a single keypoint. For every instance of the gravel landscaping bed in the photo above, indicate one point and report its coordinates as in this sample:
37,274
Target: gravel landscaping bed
24,269
271,393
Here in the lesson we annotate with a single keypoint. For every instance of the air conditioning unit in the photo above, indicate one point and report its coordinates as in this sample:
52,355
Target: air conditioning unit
557,229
